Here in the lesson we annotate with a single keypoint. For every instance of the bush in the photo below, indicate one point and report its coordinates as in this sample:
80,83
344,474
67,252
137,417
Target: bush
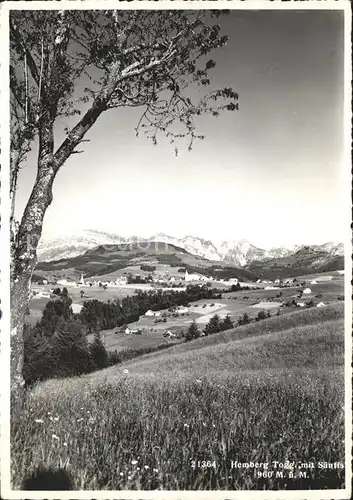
261,315
147,268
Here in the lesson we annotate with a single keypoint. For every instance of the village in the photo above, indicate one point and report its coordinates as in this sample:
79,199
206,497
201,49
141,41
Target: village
162,279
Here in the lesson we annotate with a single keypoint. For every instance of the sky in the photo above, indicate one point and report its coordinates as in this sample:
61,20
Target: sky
270,173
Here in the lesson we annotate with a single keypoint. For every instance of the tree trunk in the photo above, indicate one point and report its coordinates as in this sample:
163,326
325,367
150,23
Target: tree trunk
19,300
24,248
24,255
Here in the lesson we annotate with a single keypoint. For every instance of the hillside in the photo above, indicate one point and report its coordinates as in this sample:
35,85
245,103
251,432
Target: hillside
306,260
259,393
288,338
106,259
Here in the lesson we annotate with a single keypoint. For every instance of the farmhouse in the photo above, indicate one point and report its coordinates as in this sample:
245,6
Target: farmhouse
182,310
63,282
234,281
313,282
42,295
82,281
195,277
76,308
306,291
169,334
130,331
121,281
320,304
301,304
152,313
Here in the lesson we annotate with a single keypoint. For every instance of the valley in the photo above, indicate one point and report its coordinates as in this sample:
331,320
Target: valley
167,261
161,400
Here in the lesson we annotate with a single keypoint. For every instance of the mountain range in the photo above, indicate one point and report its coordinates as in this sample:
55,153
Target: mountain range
240,253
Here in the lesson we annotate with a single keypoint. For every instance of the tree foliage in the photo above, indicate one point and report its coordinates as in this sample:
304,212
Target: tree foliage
98,352
213,326
193,332
147,59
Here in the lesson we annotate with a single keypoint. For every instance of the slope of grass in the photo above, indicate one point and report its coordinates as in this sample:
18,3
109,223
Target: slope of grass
274,324
274,395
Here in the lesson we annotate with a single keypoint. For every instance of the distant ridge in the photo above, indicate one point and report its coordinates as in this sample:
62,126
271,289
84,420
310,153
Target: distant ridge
240,253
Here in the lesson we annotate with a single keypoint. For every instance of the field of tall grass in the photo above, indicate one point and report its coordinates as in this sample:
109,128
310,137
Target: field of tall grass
271,391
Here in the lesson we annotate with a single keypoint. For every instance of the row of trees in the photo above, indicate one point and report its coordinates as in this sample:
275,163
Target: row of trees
216,324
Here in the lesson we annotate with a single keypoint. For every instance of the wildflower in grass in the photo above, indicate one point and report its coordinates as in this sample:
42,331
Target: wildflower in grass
54,436
48,413
134,462
121,474
155,470
79,420
56,419
65,444
126,371
39,421
138,468
186,425
129,477
146,467
198,381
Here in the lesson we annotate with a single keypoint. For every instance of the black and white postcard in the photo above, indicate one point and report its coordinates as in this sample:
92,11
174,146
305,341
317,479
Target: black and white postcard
176,249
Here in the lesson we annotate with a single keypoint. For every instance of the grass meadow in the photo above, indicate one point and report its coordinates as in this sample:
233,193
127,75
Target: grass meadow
267,391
